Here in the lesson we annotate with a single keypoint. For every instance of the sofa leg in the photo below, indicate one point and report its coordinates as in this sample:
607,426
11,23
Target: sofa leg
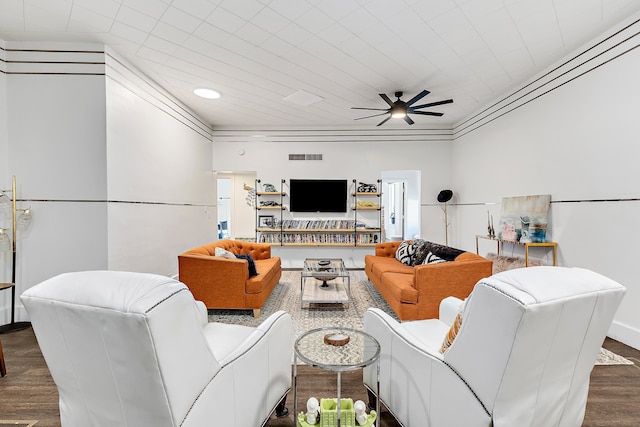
281,409
256,312
373,399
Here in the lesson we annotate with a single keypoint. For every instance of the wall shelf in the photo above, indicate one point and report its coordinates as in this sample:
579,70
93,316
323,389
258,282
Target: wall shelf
320,232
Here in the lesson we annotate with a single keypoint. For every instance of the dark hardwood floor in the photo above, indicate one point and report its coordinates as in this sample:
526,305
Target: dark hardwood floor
28,392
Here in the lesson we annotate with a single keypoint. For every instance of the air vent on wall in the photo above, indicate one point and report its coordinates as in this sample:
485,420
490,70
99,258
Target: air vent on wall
305,156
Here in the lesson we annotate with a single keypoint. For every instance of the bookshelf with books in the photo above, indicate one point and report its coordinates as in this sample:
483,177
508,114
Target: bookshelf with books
362,228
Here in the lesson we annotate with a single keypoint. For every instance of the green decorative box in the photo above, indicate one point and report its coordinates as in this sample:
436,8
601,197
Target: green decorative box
329,413
302,420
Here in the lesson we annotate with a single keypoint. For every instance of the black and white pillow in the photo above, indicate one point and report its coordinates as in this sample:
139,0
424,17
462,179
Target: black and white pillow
433,259
420,251
405,252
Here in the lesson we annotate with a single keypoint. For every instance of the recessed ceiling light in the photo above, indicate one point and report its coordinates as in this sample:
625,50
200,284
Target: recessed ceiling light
207,93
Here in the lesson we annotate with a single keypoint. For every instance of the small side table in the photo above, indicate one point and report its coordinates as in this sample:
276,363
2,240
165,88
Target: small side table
361,350
500,242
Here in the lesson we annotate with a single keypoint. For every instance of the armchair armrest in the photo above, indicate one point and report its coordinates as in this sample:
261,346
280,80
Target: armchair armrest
399,341
255,366
449,308
277,329
201,312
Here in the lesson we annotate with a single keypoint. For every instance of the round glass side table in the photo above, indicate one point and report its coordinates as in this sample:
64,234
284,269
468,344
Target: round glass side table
312,348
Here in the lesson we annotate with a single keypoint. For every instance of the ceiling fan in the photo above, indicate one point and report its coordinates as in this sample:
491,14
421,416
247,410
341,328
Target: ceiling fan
401,109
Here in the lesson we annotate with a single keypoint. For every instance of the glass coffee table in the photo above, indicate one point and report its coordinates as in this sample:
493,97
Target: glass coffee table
326,349
324,281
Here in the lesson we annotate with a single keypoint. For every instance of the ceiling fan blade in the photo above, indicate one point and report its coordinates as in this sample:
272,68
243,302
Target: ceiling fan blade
384,121
386,99
427,113
418,97
408,120
433,104
364,108
367,117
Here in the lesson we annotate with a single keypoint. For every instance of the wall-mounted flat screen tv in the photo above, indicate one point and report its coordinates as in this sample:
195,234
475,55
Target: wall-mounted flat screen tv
318,195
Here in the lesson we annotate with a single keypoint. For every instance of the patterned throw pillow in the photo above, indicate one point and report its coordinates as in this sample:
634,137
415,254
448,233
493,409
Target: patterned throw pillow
420,251
445,252
405,252
453,331
432,259
224,253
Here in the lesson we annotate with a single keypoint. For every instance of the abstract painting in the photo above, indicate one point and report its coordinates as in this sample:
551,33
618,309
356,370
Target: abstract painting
524,218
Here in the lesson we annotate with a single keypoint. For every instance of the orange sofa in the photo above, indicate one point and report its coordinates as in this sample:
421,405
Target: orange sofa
225,283
415,293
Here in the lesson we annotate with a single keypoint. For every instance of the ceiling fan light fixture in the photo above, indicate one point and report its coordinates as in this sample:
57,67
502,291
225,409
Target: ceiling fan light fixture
207,93
400,109
398,113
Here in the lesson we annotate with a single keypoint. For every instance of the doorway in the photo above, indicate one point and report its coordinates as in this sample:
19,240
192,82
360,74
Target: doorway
394,203
224,207
236,205
401,201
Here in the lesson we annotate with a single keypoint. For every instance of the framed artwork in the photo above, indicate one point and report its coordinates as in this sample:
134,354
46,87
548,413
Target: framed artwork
266,221
524,218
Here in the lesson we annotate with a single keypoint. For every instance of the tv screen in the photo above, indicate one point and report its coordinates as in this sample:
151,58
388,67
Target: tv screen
318,195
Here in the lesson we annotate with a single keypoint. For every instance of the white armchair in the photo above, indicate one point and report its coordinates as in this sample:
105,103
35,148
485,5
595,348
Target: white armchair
133,349
522,356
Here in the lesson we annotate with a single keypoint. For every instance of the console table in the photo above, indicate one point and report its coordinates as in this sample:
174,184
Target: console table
500,242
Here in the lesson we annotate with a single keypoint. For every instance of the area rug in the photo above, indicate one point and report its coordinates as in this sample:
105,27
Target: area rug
607,357
286,296
18,423
503,263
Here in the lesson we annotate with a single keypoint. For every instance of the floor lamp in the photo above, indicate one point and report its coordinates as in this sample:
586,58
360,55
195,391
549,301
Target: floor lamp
5,243
443,197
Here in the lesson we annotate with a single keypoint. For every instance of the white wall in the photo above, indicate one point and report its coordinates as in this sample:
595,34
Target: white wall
4,148
575,137
161,189
117,173
55,147
5,183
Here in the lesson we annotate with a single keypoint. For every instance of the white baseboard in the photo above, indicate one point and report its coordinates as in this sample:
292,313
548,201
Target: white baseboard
625,334
20,314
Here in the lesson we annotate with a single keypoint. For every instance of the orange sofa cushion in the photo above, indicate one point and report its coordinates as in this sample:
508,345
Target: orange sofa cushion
401,287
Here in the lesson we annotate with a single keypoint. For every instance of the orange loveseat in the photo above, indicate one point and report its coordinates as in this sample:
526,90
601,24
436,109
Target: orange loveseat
415,293
225,283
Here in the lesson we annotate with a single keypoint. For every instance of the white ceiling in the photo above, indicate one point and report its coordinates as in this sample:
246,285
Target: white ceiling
258,52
